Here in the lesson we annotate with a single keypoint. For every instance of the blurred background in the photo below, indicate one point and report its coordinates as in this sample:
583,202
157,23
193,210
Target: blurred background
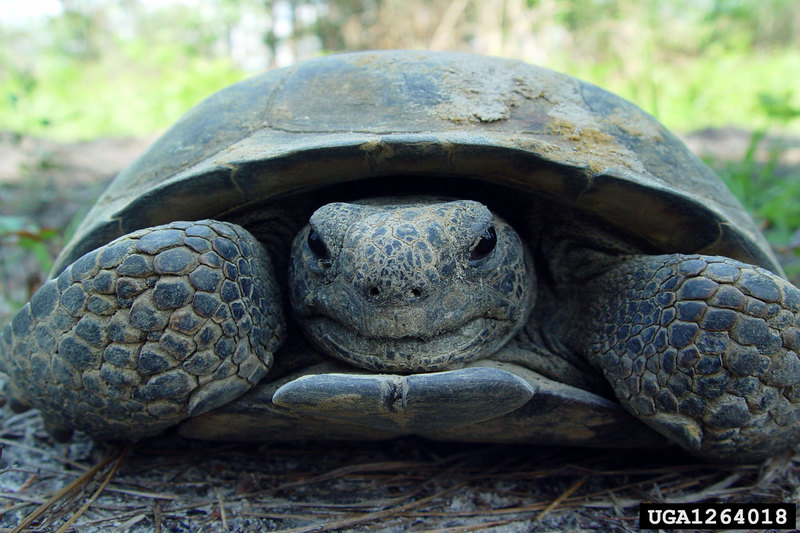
86,85
79,69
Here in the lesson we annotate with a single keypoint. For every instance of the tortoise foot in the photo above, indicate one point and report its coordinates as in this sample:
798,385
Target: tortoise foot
15,399
141,333
418,403
705,351
57,431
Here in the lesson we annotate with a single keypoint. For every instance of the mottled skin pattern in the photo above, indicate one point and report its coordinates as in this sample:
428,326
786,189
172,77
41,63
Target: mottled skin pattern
179,320
156,326
410,287
703,349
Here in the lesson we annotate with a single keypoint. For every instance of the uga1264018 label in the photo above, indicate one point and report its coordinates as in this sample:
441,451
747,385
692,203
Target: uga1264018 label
717,515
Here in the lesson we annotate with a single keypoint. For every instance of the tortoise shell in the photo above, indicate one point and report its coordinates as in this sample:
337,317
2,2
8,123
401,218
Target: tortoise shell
439,117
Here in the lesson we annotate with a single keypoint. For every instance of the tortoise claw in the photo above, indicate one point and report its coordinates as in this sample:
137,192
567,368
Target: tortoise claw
487,401
418,403
58,432
15,400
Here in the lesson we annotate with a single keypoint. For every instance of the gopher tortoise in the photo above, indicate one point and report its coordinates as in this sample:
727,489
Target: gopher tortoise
378,244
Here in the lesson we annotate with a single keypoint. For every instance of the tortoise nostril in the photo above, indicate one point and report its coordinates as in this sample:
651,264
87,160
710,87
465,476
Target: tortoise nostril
375,292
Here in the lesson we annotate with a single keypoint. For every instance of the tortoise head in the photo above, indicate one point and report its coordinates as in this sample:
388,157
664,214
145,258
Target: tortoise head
411,285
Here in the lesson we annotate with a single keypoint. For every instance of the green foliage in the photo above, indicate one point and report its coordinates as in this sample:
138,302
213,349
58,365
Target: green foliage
780,106
123,67
141,91
714,90
19,234
768,192
71,78
761,24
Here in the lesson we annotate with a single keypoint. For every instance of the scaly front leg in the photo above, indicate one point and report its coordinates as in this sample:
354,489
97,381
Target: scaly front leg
702,349
158,325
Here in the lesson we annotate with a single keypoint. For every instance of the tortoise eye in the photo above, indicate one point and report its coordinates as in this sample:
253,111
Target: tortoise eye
485,245
317,246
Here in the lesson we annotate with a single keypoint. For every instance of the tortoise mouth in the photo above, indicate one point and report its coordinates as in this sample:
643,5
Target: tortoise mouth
472,340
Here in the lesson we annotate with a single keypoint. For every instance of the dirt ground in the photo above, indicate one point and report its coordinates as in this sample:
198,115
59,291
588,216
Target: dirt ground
174,485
